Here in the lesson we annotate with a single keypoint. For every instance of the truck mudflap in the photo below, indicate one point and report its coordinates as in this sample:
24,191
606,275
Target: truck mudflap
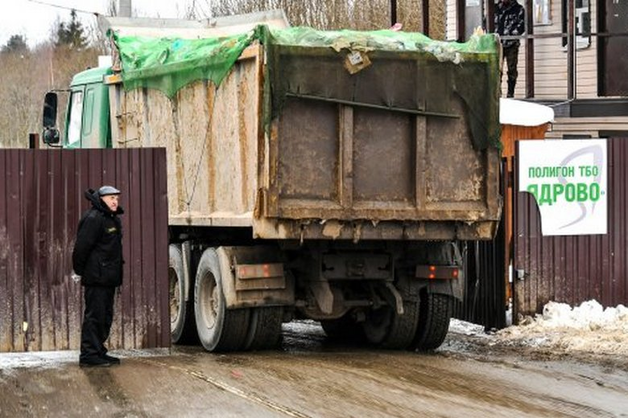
254,277
442,279
444,274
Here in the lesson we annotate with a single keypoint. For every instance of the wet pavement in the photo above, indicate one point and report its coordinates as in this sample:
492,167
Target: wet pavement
313,377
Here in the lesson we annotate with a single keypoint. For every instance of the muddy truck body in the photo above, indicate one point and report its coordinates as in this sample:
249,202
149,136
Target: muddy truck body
321,175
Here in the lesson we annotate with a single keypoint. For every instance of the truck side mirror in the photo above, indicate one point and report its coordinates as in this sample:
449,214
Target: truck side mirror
51,136
50,110
51,133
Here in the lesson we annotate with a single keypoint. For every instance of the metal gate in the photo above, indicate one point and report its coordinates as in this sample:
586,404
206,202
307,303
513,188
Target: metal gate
573,269
41,201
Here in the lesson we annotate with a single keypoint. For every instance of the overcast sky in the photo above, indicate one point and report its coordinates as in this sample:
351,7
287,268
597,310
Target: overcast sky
34,20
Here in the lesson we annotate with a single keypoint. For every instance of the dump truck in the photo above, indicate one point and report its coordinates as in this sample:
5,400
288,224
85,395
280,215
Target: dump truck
323,175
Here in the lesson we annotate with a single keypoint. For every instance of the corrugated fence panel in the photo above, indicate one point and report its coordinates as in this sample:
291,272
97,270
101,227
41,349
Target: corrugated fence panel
6,289
484,296
574,269
41,201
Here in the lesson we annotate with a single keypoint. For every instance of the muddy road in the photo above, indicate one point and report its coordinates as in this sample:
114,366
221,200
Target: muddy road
313,377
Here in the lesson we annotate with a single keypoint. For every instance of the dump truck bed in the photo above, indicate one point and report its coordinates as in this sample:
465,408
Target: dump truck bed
310,150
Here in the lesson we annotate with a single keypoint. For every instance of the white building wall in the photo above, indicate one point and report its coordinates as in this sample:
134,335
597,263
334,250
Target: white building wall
550,58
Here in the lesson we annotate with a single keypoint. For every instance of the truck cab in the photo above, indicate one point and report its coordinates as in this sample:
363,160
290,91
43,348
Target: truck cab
87,114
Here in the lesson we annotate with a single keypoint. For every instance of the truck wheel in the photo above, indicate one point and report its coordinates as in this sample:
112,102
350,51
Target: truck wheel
377,324
403,327
434,316
385,328
219,328
182,326
264,328
343,329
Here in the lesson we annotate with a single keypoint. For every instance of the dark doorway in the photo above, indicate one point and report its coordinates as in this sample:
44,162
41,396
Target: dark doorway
613,60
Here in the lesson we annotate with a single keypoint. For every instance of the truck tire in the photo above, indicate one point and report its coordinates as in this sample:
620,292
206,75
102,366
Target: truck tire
377,324
343,329
403,327
264,328
182,326
219,328
434,316
387,329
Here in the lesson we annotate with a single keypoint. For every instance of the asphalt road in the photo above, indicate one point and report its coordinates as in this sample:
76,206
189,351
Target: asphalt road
313,377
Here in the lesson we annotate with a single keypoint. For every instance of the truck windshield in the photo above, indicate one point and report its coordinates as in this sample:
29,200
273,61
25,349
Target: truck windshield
76,113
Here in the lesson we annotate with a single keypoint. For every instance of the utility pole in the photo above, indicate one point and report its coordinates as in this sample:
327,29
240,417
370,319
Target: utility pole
393,12
425,7
125,8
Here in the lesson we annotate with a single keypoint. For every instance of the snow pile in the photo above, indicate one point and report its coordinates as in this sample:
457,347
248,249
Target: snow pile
589,315
585,331
466,328
585,328
521,113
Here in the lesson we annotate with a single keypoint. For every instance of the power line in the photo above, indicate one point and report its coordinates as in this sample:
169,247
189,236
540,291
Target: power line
64,7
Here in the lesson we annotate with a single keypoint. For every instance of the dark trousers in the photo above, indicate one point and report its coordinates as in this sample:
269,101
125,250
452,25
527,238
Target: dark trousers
511,56
97,320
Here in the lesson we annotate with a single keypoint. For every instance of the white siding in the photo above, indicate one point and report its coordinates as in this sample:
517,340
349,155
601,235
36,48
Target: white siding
520,87
550,58
550,64
450,20
586,126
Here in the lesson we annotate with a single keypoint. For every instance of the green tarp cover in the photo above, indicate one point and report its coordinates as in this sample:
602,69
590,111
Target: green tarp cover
169,64
468,70
383,40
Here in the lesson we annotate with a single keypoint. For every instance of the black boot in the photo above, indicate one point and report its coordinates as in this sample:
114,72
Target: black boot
511,88
111,359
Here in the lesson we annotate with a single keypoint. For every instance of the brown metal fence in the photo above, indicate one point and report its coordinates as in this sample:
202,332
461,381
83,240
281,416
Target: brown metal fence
573,269
484,296
41,201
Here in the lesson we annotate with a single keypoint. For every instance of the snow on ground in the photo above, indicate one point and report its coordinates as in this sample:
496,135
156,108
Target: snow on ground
586,329
55,359
588,332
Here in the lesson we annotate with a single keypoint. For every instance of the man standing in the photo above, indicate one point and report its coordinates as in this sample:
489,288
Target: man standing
97,258
510,21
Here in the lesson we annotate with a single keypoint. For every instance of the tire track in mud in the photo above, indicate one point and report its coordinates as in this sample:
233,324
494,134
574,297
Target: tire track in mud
423,384
108,390
230,389
399,376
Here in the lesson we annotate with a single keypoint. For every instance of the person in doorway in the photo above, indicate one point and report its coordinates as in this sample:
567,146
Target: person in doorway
510,21
97,258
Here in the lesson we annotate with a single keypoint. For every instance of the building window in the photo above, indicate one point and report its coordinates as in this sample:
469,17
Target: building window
541,12
583,22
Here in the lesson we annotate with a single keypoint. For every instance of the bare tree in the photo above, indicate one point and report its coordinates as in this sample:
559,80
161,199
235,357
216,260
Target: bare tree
112,8
26,78
335,14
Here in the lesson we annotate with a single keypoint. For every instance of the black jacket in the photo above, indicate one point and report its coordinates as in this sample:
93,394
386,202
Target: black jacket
510,21
97,255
